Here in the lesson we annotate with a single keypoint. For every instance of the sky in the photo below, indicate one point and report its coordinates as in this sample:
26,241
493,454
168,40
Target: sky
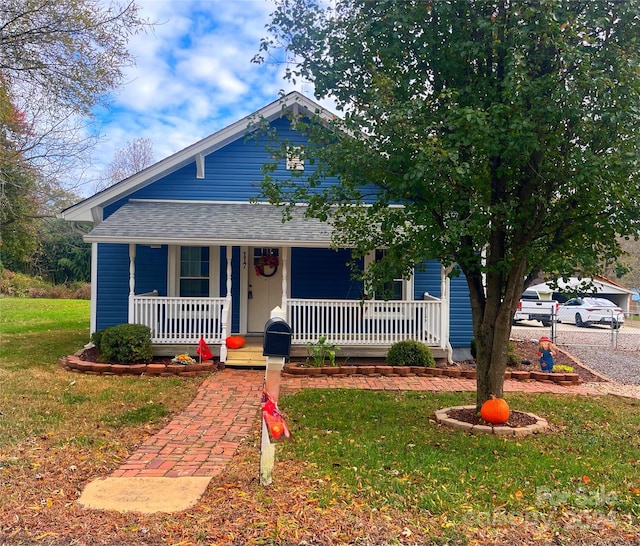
193,76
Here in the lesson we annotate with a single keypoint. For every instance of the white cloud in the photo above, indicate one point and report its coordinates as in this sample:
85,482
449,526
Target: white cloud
193,75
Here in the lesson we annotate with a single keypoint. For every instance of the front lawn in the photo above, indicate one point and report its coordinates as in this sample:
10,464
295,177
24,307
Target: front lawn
385,450
362,467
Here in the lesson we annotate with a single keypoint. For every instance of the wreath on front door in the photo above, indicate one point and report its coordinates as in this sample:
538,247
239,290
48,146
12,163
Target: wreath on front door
267,260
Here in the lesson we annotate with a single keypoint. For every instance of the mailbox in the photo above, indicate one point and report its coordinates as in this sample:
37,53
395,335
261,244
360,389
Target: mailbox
277,338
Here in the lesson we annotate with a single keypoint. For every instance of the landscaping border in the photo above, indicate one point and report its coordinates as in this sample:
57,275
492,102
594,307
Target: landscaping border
442,418
74,363
420,371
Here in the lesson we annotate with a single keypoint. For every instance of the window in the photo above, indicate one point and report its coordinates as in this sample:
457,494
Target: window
398,289
294,161
194,272
395,288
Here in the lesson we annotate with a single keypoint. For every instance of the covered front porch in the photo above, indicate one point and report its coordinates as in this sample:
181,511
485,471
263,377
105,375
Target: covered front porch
223,271
359,328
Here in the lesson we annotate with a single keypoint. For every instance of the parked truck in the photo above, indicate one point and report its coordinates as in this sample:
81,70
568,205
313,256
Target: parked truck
532,307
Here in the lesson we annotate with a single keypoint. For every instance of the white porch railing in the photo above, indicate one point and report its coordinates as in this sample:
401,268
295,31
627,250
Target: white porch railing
372,322
180,320
343,322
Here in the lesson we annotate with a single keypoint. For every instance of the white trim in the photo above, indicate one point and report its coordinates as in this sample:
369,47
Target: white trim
286,290
293,161
243,289
173,270
407,284
132,279
199,166
210,242
214,272
93,321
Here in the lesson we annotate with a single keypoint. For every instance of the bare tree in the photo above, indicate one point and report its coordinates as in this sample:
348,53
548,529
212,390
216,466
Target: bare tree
136,155
58,59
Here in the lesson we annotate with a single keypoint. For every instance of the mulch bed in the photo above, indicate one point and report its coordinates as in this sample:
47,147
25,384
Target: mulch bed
527,351
517,419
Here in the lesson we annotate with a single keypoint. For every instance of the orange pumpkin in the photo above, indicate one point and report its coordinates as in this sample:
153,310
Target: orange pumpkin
235,342
495,411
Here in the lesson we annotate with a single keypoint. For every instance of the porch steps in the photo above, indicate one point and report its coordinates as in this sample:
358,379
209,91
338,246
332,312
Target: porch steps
248,356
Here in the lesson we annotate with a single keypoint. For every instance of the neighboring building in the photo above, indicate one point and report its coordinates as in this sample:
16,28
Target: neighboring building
600,287
180,248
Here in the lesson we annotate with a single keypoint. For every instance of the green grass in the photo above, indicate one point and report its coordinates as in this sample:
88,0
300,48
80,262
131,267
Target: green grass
385,450
376,448
39,398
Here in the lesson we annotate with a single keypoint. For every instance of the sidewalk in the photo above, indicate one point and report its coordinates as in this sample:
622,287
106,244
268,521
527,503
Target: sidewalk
171,470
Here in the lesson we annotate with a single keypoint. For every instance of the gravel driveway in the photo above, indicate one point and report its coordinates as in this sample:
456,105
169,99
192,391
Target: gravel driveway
618,365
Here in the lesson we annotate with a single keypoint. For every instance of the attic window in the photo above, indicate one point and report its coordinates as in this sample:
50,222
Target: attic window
294,161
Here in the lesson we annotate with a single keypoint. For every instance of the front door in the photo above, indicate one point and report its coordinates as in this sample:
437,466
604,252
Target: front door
265,287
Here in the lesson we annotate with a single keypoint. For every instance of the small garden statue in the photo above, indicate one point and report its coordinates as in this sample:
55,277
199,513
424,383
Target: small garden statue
546,352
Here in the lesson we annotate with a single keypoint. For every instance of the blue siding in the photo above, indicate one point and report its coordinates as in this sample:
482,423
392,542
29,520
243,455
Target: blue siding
427,280
151,269
461,321
113,279
113,285
234,173
322,273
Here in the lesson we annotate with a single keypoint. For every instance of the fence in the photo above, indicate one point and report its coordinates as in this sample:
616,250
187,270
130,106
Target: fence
627,338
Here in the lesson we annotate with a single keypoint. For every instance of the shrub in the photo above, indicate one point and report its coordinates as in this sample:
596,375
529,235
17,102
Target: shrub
19,285
96,339
124,344
512,357
410,353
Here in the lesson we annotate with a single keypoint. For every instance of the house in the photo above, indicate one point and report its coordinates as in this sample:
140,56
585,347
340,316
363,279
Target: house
182,248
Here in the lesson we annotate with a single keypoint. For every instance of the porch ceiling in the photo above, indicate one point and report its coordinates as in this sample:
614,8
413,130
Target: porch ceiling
202,223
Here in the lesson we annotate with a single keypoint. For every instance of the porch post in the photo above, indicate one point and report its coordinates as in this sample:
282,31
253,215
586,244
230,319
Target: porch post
227,314
132,280
285,273
445,288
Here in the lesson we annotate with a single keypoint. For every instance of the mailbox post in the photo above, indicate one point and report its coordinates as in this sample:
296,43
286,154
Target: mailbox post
276,347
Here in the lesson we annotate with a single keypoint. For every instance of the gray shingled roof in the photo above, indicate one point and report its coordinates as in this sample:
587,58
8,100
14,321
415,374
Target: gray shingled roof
176,222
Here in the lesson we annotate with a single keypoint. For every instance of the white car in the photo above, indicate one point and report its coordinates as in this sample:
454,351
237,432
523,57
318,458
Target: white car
587,311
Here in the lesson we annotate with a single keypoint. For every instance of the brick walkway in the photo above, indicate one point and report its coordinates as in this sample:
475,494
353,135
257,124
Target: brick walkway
205,436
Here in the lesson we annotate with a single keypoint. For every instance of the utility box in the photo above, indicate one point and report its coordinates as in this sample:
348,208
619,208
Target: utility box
277,338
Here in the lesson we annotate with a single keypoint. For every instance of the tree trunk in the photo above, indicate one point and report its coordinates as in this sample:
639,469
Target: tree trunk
494,299
491,360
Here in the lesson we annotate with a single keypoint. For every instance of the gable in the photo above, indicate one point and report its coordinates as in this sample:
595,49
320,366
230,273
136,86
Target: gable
232,173
192,161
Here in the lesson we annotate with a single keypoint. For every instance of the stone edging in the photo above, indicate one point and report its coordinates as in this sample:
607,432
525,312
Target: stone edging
76,364
442,417
420,371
